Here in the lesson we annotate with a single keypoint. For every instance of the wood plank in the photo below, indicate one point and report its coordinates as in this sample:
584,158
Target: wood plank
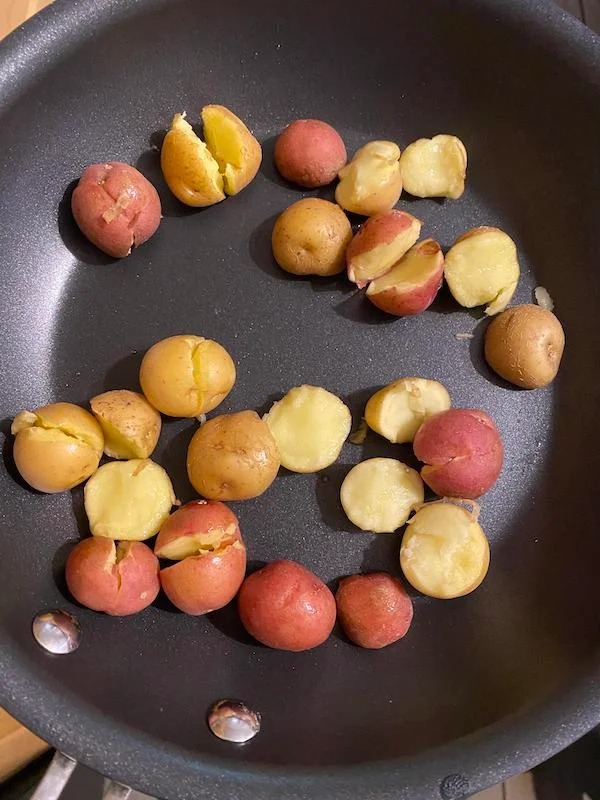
591,14
521,787
17,746
572,6
15,12
493,793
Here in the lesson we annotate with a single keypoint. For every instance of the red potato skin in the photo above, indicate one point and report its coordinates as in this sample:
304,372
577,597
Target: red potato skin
198,516
374,609
285,606
462,450
377,231
98,581
408,301
309,152
115,207
201,584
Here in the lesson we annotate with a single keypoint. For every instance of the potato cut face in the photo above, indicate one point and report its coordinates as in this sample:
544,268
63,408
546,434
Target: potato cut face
434,167
130,425
310,425
371,182
379,494
444,552
235,149
414,268
397,411
128,500
482,268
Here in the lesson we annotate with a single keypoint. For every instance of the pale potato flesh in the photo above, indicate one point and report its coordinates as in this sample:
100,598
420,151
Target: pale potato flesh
398,410
128,500
189,169
130,425
434,167
409,271
482,268
379,494
198,544
232,145
371,183
444,551
310,425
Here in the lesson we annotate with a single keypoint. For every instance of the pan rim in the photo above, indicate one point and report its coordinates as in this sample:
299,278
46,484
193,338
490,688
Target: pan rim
484,757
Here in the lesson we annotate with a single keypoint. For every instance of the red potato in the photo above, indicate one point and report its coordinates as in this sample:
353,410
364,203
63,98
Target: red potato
462,450
115,207
374,609
379,244
118,580
309,152
285,606
204,537
412,283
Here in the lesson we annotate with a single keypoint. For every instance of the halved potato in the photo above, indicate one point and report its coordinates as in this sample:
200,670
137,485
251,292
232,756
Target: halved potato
398,410
235,149
130,425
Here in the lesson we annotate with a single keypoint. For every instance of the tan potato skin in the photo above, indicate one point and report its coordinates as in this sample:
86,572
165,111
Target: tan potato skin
285,606
118,581
524,345
373,609
128,415
232,457
309,152
310,238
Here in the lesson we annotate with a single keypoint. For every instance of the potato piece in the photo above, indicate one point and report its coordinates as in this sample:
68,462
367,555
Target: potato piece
481,268
372,182
57,446
189,169
115,207
130,425
310,238
444,551
378,494
232,457
412,283
198,527
128,500
379,243
434,167
118,580
309,152
374,609
310,425
524,345
235,149
399,409
186,375
462,451
287,607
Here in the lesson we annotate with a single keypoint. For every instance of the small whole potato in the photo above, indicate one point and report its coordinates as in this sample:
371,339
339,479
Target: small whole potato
57,446
462,452
115,207
309,152
232,457
118,580
186,375
131,426
285,606
310,238
374,609
524,345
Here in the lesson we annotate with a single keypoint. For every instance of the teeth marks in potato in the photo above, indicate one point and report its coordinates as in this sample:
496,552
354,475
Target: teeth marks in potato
379,494
444,551
398,410
482,268
310,425
434,167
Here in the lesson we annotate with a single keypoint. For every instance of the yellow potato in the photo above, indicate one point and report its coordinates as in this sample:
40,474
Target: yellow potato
232,145
188,167
524,345
310,238
310,425
434,167
128,500
186,375
378,494
57,446
482,268
444,551
232,457
131,426
398,410
372,182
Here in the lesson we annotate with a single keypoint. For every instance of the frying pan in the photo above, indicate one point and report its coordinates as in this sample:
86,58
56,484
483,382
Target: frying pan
482,686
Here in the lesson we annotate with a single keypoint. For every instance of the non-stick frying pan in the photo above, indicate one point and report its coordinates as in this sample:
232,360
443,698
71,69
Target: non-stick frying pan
482,686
